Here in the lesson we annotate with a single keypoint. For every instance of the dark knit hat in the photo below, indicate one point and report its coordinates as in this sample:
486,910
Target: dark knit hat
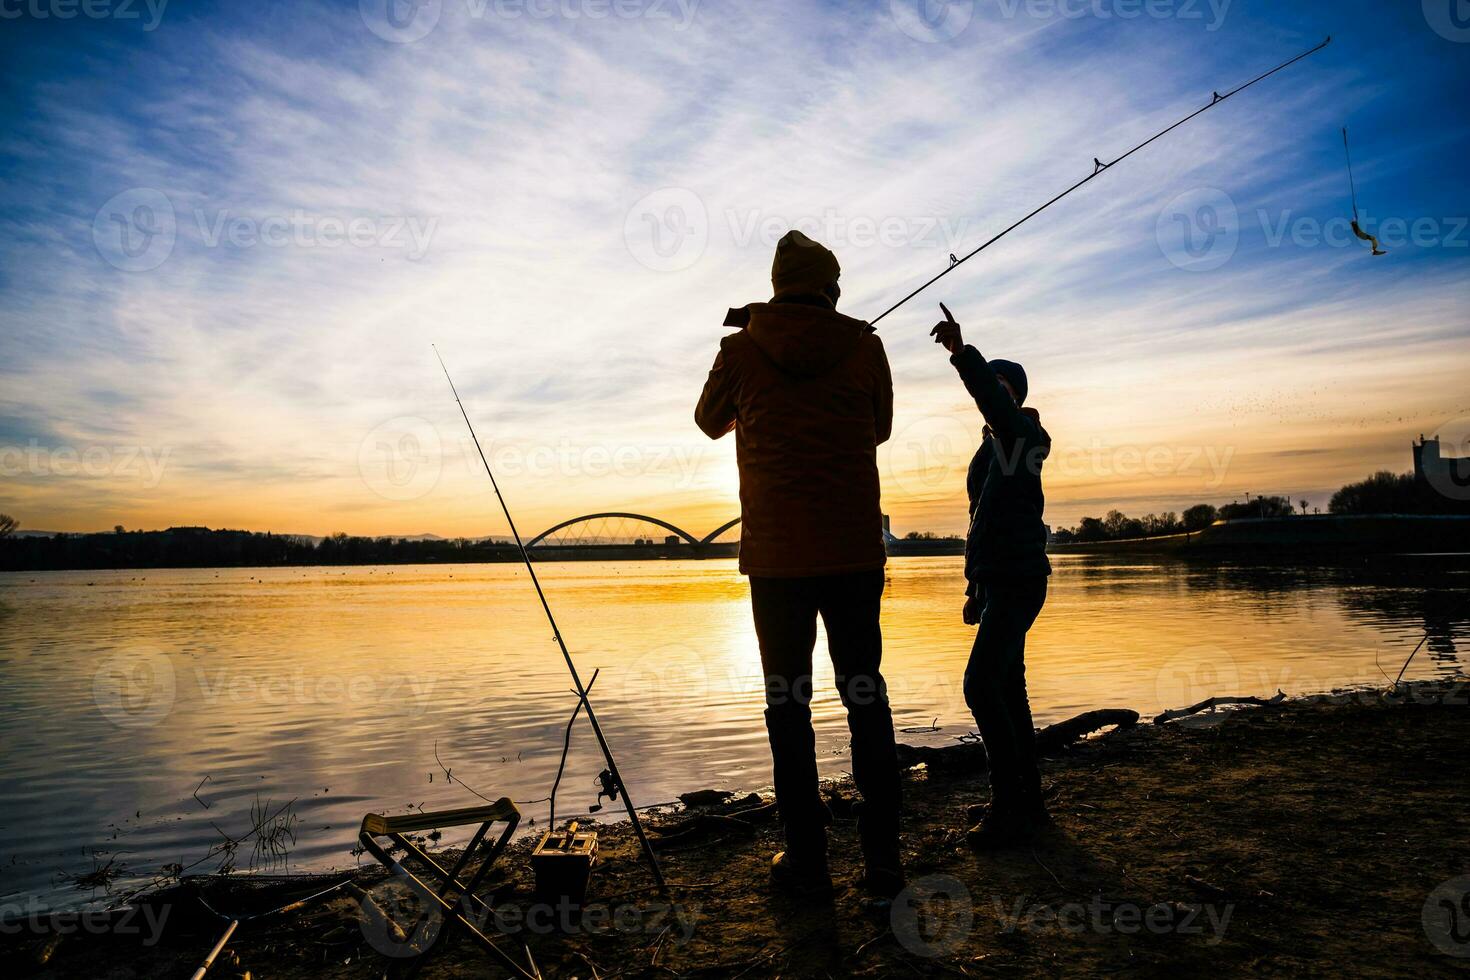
802,266
1014,374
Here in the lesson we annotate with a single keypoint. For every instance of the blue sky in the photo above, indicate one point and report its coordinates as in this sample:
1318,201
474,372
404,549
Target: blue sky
565,197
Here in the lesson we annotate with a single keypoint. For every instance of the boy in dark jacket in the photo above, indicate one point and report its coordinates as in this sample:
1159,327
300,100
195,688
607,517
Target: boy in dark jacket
1005,571
808,394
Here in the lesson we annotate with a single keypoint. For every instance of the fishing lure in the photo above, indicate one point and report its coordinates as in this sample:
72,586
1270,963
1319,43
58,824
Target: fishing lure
1357,228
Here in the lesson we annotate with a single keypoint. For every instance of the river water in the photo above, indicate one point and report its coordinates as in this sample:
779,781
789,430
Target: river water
143,714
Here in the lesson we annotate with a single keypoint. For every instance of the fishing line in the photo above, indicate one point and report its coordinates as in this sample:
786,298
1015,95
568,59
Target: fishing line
1352,186
614,779
1097,168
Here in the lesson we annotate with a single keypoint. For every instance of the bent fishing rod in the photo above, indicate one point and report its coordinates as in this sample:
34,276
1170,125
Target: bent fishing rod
612,780
1097,169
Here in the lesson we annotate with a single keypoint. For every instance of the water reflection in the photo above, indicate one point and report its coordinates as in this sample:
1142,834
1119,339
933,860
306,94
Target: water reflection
339,690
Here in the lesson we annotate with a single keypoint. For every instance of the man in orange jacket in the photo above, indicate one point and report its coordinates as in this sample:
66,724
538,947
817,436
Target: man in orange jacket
809,396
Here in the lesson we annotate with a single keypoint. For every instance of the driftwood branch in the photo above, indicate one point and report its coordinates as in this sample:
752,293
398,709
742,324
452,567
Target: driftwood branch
1210,703
1064,733
969,755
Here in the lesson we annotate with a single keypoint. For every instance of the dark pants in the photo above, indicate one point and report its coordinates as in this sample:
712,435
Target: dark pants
786,611
995,689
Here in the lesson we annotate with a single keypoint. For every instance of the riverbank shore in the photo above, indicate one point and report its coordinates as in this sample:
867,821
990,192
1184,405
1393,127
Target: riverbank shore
1286,839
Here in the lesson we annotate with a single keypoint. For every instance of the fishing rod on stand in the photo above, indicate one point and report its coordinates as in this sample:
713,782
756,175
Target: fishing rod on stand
611,779
1097,168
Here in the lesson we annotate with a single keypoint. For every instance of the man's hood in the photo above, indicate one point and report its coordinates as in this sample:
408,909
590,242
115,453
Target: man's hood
806,341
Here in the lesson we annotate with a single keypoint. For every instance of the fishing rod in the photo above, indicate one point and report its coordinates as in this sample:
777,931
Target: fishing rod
1097,168
611,780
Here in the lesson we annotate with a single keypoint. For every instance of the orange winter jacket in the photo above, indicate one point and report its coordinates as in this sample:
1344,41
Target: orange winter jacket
809,396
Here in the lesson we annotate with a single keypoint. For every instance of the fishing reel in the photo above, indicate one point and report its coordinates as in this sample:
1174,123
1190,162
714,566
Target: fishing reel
608,784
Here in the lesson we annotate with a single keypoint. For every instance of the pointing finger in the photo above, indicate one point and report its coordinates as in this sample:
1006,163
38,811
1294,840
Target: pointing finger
947,315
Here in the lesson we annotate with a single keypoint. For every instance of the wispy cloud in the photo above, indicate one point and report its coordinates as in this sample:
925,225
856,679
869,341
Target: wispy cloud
338,201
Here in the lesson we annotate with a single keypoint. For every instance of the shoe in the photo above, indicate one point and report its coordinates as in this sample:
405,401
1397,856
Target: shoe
977,812
882,880
882,867
806,874
999,830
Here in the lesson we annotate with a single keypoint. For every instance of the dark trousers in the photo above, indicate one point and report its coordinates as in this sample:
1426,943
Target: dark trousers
786,611
995,689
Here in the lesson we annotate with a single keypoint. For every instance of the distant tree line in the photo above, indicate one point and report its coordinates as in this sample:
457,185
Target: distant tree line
204,548
1381,493
1118,525
1393,493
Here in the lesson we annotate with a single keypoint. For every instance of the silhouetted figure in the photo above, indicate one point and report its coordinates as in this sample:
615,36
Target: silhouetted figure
1005,570
809,396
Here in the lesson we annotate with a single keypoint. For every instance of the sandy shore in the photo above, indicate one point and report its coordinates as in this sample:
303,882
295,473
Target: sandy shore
1305,837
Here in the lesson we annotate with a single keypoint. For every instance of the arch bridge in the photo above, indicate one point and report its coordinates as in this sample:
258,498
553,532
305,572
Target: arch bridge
612,528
